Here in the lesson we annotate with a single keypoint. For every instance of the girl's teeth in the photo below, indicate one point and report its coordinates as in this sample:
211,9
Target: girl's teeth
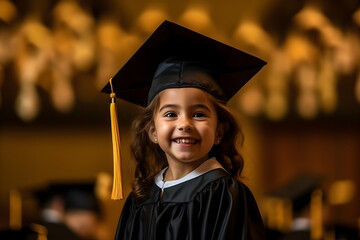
185,140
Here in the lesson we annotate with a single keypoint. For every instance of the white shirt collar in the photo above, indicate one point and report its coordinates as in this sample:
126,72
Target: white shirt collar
206,166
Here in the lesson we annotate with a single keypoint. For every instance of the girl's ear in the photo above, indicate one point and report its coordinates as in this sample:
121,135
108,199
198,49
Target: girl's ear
152,134
220,131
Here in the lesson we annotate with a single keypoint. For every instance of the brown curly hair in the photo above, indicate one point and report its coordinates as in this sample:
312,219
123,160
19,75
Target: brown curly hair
150,158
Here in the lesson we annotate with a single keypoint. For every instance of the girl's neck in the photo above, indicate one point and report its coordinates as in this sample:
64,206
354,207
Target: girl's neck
178,170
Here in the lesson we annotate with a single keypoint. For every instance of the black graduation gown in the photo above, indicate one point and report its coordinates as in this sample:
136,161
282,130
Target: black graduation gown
210,206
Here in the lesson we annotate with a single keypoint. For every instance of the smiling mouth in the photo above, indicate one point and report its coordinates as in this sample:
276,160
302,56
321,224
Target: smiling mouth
185,140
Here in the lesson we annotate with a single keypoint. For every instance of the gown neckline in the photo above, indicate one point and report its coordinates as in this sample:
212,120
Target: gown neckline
206,166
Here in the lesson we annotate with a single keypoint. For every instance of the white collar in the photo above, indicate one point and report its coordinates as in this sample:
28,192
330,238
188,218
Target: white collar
206,166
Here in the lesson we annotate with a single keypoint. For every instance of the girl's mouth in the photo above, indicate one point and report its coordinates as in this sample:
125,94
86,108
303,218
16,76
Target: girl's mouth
185,140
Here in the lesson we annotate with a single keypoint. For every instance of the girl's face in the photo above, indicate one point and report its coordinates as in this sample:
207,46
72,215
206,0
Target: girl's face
185,125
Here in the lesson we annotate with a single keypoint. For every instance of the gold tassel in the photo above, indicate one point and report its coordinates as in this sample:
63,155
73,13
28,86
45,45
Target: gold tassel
117,191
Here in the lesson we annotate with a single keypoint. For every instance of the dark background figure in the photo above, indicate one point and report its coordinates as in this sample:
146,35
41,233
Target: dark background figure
69,211
82,211
52,200
296,215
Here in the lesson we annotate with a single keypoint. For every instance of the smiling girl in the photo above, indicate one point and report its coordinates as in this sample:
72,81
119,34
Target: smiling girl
188,169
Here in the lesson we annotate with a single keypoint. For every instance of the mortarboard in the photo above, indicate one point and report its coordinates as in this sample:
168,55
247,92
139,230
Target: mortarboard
46,194
168,59
133,81
82,196
75,195
298,190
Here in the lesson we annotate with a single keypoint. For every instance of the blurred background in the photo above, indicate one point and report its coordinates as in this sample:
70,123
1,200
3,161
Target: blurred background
300,114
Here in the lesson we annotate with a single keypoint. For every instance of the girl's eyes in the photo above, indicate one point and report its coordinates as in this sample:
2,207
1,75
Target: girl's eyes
199,115
173,115
170,114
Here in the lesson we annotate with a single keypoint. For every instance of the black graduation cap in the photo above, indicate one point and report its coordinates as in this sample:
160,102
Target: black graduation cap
48,193
76,196
81,196
232,67
298,190
176,57
304,193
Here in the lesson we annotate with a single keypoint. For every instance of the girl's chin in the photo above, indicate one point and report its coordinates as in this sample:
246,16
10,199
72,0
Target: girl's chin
189,160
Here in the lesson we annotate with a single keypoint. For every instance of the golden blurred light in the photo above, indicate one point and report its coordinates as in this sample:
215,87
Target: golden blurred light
346,54
331,36
197,17
299,49
83,55
327,85
311,17
7,11
276,106
341,192
62,94
115,46
70,13
27,104
356,17
251,33
103,186
36,33
307,105
108,34
32,55
77,42
251,101
150,19
77,27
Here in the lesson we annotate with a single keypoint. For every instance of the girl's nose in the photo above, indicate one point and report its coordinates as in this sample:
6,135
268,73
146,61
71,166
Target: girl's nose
185,125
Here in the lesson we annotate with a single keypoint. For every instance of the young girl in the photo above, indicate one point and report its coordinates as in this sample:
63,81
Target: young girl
187,165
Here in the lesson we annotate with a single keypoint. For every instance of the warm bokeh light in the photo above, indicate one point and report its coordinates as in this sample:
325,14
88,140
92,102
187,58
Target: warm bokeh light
341,192
196,16
150,18
8,11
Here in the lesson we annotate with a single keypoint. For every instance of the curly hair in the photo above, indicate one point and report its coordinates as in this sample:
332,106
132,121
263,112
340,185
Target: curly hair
150,158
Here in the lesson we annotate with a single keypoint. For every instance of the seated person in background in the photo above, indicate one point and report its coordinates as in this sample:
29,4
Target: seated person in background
82,211
69,211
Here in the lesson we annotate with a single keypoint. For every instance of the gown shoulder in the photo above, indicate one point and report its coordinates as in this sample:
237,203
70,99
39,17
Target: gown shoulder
211,206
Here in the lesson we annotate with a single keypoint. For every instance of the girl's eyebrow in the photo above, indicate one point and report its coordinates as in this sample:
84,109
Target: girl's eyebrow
196,106
168,106
203,106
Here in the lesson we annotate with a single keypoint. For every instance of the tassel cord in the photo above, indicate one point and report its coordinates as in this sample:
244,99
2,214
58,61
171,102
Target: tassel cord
117,190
